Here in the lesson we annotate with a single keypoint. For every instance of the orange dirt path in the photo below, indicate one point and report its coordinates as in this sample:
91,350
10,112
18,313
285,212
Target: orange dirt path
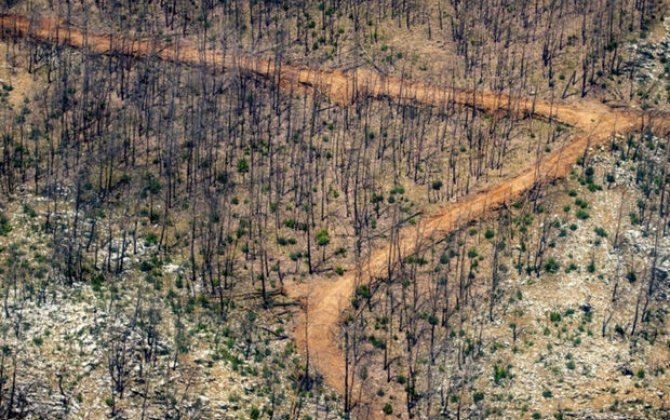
328,299
341,87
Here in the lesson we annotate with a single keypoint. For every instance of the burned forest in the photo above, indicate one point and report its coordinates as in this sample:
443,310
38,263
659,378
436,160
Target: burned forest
338,209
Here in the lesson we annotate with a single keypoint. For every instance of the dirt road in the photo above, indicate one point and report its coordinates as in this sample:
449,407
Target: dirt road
339,86
327,299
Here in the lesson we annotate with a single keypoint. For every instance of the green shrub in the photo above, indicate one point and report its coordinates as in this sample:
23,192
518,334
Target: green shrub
499,373
600,232
571,267
322,237
254,413
552,266
591,268
364,291
5,227
582,214
150,239
27,209
96,282
242,166
146,266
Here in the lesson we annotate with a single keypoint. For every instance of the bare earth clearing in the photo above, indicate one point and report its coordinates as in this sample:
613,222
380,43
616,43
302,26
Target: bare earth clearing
327,299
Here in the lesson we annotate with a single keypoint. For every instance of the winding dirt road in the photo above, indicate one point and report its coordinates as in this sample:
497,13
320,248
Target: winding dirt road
328,299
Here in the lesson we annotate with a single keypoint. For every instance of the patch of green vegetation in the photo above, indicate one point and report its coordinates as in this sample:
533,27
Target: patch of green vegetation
600,232
5,227
552,266
582,214
322,237
30,211
500,373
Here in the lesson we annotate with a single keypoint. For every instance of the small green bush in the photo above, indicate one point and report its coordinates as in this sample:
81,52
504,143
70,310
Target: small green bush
600,232
5,227
499,373
255,413
242,166
551,266
582,214
322,237
27,209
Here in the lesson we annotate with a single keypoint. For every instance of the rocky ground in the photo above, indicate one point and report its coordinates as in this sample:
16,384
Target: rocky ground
72,344
574,350
586,336
647,61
